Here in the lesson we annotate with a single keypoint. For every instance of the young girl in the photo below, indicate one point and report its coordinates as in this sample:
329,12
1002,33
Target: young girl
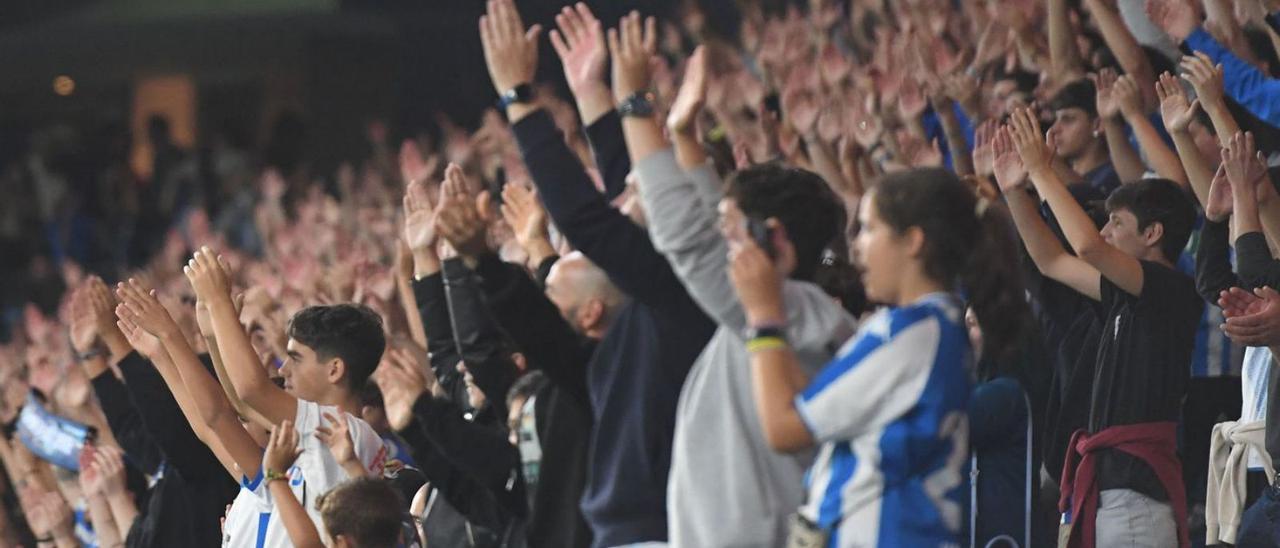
888,414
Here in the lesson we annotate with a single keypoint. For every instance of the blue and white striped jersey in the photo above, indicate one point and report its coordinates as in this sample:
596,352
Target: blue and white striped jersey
890,414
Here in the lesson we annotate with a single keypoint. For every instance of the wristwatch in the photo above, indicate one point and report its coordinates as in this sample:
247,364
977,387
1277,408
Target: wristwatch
522,93
639,104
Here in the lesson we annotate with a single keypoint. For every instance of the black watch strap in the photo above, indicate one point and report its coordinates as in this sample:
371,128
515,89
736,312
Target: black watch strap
522,93
638,104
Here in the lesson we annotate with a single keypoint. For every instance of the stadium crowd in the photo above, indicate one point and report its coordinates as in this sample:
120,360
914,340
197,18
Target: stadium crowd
862,273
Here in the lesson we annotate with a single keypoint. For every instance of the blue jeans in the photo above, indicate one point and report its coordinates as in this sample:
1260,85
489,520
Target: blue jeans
1260,525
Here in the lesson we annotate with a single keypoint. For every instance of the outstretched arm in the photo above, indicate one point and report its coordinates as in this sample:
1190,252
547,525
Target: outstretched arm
1121,269
212,286
214,412
1050,258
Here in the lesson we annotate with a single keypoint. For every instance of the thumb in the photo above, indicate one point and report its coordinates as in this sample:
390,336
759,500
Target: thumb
532,34
484,206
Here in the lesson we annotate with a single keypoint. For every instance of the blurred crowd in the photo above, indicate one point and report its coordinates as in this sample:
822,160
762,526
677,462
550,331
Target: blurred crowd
868,273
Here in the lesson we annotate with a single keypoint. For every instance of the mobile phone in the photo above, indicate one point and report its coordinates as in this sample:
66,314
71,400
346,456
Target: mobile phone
762,235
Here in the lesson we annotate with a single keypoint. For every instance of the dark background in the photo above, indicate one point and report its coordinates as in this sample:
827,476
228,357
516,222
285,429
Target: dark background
330,66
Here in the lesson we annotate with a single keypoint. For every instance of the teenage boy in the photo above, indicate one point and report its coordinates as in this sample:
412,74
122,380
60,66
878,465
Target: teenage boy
332,351
1122,478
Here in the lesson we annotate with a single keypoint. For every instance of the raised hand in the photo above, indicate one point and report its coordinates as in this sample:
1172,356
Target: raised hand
461,219
580,44
984,155
1245,166
1104,82
208,276
911,101
146,344
1177,18
632,45
692,95
1175,110
524,212
1221,200
419,217
282,448
1009,172
1030,141
140,306
403,380
337,436
1127,96
800,107
1205,77
510,51
83,324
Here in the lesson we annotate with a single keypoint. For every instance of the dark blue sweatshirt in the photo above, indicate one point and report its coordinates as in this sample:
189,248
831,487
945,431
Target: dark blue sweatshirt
635,375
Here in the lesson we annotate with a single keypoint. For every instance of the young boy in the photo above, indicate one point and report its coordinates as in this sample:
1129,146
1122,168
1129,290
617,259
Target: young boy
1127,481
332,351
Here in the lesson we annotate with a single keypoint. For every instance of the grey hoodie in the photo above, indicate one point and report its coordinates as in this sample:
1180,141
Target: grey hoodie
727,488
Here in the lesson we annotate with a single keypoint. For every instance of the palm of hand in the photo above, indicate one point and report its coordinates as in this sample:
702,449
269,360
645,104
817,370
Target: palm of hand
984,157
1176,112
1108,103
84,331
145,343
585,64
1220,202
1009,171
420,229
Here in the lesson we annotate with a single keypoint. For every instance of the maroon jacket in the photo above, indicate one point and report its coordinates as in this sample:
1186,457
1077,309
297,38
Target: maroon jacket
1153,442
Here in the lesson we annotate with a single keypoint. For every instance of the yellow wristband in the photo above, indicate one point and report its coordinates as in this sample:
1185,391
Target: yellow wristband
272,475
759,344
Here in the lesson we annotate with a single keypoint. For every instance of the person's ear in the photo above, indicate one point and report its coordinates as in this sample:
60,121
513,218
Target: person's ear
343,541
1153,234
589,314
913,241
335,370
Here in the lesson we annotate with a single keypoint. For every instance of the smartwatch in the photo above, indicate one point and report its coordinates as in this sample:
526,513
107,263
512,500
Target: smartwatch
522,93
639,104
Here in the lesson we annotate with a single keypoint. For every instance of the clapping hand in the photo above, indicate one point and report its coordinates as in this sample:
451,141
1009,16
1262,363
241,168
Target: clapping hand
461,219
1221,200
282,448
336,434
1030,142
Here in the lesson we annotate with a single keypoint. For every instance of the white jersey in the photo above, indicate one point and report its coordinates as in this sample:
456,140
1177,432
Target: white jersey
252,523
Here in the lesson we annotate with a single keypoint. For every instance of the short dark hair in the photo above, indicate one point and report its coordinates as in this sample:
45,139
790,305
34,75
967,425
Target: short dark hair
1078,94
366,510
801,200
351,332
1158,201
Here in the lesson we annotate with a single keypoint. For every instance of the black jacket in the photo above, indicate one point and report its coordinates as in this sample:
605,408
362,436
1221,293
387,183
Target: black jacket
187,503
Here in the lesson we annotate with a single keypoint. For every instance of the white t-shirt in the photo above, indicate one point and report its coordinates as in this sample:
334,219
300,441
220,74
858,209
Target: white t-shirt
251,523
